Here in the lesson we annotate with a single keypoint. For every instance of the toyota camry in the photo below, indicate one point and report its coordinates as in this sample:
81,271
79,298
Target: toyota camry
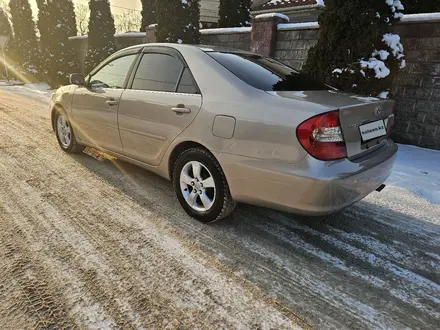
228,126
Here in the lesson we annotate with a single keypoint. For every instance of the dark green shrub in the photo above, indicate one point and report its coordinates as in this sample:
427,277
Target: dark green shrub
148,13
421,6
101,33
25,44
235,13
56,22
178,21
356,49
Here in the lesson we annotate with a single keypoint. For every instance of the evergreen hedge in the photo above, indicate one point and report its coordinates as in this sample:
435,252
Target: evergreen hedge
356,49
421,6
101,33
234,13
178,21
57,22
148,13
25,44
5,30
5,25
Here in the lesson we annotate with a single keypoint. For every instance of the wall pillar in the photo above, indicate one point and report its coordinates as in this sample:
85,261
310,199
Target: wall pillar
264,33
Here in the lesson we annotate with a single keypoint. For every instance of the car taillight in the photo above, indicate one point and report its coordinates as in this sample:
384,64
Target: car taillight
322,137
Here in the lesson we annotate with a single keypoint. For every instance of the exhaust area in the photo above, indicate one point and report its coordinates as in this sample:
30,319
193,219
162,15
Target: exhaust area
382,187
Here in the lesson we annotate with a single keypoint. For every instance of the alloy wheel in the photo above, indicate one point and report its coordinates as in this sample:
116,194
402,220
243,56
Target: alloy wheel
64,132
197,186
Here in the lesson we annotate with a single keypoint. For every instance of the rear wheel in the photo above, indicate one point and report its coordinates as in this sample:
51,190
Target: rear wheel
201,186
65,135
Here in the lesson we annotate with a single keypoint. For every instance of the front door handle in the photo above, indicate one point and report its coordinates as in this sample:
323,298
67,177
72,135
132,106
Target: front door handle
181,111
112,102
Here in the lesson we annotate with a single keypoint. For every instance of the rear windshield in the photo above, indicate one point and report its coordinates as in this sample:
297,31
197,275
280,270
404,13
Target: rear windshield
265,73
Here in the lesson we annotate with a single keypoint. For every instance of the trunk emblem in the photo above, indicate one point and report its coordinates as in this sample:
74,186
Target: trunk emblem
378,111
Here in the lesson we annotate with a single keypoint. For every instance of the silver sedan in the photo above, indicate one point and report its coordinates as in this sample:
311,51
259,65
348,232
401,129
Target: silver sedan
228,126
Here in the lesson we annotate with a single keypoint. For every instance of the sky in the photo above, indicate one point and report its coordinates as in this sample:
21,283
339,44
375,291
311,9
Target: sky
132,4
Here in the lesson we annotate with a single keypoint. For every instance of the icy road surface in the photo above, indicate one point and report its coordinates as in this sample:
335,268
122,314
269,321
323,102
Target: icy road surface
100,245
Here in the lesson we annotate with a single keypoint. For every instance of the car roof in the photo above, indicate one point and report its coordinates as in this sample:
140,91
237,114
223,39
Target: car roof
204,48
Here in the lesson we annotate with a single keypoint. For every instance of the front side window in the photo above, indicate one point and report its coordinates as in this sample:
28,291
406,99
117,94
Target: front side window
113,75
265,73
157,72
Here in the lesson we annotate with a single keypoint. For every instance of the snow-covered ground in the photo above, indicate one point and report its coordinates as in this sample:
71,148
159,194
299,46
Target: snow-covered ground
418,171
40,92
105,244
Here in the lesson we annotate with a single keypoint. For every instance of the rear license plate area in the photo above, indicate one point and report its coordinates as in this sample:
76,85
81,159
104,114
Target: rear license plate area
373,130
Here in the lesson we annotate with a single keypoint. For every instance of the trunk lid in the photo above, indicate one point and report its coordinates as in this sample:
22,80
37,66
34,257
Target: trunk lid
373,116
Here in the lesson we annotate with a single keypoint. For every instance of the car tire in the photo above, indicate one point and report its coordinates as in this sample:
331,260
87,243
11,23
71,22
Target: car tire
208,203
65,134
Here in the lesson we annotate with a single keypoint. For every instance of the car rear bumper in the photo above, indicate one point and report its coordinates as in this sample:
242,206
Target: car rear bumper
310,187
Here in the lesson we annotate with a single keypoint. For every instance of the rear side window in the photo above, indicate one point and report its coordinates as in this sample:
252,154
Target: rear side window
265,73
157,72
186,84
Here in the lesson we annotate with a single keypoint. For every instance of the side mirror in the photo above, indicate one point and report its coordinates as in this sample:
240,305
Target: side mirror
77,79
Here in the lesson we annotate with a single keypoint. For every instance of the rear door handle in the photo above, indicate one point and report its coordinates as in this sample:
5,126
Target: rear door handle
181,110
112,102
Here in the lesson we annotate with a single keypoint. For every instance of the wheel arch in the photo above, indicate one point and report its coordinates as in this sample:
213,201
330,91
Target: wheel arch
56,108
179,149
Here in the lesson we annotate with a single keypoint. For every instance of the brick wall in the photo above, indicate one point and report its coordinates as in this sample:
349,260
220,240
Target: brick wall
234,38
293,45
417,88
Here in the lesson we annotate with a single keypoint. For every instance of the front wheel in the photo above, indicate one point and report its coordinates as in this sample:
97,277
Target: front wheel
201,186
65,135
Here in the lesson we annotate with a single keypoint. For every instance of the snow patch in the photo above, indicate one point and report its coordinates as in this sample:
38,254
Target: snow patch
131,35
384,95
393,41
365,99
396,7
417,170
226,30
40,91
79,37
378,66
415,18
271,15
298,26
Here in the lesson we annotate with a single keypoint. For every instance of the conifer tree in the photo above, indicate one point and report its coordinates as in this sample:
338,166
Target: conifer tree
191,26
178,21
25,44
56,22
356,49
5,25
421,6
235,13
148,13
101,33
5,30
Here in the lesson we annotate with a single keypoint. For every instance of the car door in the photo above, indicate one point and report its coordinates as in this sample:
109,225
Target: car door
160,102
95,106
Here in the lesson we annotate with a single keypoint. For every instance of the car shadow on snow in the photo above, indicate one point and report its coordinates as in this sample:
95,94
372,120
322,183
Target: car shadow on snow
365,267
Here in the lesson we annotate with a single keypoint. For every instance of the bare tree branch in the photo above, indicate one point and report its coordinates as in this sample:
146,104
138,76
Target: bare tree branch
82,13
128,21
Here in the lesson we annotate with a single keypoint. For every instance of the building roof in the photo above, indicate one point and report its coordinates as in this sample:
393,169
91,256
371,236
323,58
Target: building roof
284,4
